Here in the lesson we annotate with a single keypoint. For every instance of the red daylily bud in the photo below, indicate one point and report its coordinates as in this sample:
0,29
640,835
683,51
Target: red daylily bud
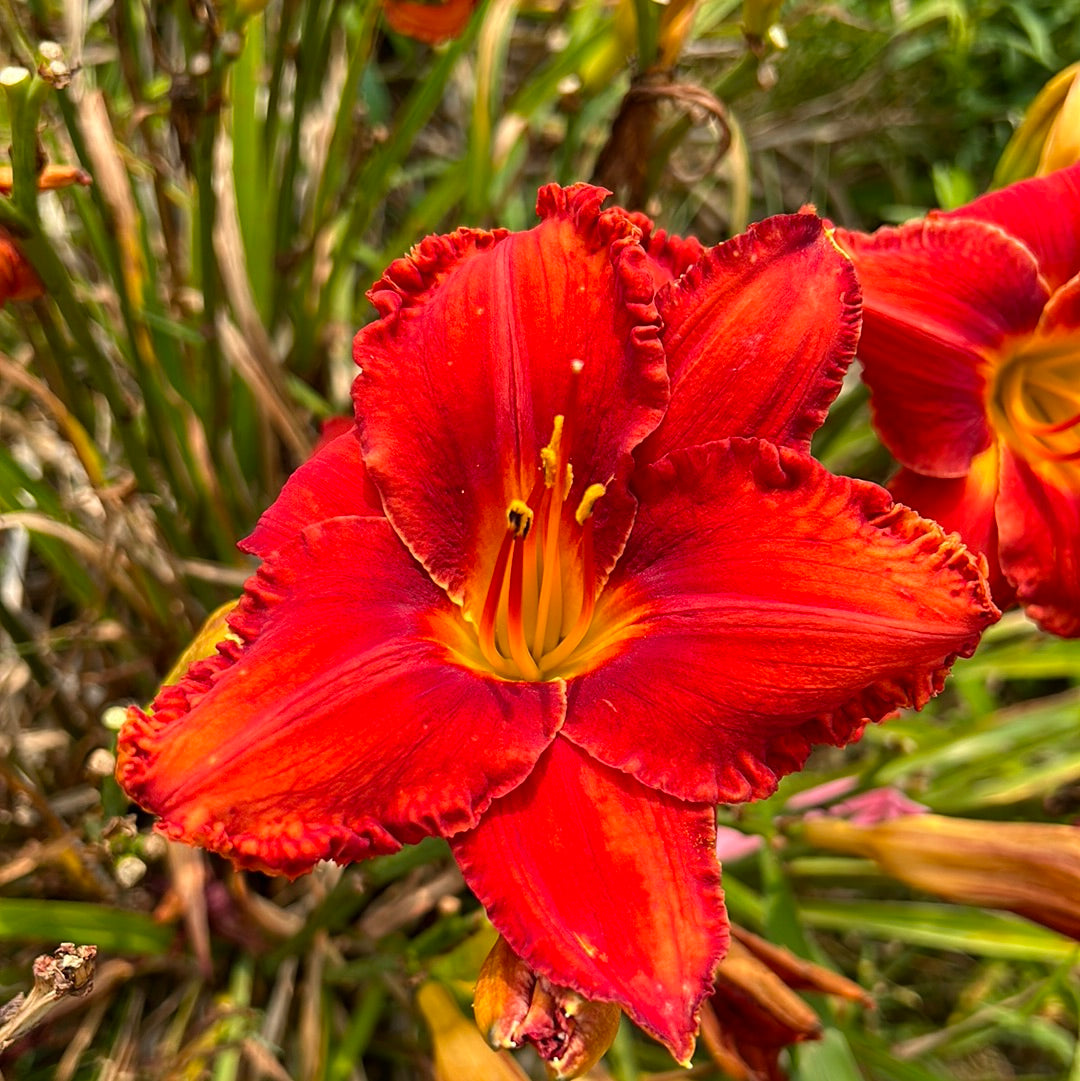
1030,868
516,1006
754,1012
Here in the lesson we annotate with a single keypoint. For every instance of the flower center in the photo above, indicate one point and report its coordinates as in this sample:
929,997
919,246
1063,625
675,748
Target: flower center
542,593
1035,407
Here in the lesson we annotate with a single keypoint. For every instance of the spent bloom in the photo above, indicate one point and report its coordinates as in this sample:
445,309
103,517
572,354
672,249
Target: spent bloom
1031,868
572,580
754,1013
971,350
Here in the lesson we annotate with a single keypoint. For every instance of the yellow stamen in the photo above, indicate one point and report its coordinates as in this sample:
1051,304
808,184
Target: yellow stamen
520,632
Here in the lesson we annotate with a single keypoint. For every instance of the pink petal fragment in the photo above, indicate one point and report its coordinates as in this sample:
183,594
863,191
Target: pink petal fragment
606,887
337,730
762,606
758,334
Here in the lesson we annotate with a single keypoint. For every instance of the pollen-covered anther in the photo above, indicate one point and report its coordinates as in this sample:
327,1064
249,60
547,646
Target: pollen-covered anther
519,518
588,501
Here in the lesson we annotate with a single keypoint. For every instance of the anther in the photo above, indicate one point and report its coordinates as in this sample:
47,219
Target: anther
549,456
588,501
519,518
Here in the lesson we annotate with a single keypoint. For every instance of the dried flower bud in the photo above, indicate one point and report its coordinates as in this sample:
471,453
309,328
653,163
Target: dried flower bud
1029,868
754,1013
515,1006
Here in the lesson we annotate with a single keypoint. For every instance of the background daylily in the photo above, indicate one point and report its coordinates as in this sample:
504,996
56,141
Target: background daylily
572,580
971,349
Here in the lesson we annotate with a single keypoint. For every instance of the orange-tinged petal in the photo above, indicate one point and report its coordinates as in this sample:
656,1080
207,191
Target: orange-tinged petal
1039,543
758,335
278,752
485,338
963,505
1042,213
432,22
332,483
764,605
606,887
940,300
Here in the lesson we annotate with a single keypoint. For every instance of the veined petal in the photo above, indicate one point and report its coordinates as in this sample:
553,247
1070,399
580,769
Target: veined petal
606,887
336,730
963,505
332,483
940,299
1039,526
1034,211
758,336
764,605
484,339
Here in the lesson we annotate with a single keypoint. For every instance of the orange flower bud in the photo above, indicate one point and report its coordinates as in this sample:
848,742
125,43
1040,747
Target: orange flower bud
1030,868
515,1006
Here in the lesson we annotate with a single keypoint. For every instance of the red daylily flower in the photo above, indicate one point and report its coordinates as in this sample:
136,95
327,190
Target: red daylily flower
572,580
971,350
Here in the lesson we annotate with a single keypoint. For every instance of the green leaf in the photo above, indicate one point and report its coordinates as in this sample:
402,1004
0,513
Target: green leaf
943,927
112,930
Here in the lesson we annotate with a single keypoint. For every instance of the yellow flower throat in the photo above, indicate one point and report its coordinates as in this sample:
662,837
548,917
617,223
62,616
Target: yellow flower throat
1034,406
531,622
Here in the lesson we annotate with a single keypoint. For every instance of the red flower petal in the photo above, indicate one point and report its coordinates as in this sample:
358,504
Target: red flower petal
18,281
758,335
462,377
1034,211
332,483
963,505
338,730
940,298
766,605
606,887
1039,524
670,256
428,22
